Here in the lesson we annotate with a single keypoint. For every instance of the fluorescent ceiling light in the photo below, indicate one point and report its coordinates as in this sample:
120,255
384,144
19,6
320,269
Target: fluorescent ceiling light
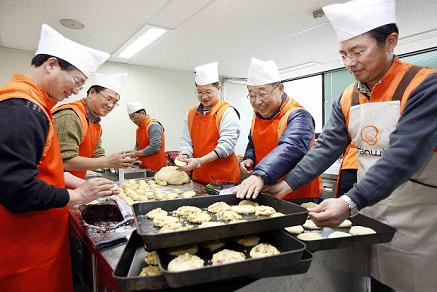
143,38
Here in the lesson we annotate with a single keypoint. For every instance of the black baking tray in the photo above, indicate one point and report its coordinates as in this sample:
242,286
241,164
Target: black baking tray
291,251
130,265
293,215
384,233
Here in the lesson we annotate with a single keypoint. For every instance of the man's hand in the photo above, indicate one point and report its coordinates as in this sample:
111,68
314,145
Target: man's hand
278,190
330,212
92,189
250,187
246,166
120,159
192,163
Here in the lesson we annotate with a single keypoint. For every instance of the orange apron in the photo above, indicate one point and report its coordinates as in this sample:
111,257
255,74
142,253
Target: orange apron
34,246
155,161
265,136
91,133
205,132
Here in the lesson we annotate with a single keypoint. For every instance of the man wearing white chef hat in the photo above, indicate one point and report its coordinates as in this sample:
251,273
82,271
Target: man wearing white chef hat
389,113
33,205
282,132
150,139
79,130
210,132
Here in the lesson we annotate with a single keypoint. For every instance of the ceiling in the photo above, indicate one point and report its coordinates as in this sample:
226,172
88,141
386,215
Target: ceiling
203,31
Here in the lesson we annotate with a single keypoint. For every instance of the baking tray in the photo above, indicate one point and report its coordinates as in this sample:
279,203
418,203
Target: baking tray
384,233
293,215
130,265
290,248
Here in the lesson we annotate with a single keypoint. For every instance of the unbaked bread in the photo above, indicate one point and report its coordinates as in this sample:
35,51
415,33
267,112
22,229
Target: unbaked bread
150,271
218,207
151,258
263,250
172,176
185,262
337,234
361,230
309,224
249,240
227,256
243,209
307,236
264,210
297,229
180,250
156,213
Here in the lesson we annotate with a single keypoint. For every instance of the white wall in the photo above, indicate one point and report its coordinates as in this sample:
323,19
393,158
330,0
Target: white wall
166,94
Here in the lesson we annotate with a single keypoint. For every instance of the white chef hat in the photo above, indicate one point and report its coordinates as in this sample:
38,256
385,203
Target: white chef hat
134,107
113,82
262,72
86,59
356,17
207,74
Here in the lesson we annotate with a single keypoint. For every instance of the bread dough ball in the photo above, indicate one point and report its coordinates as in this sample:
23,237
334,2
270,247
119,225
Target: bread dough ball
213,245
159,195
188,194
218,207
248,202
199,217
156,213
172,176
337,234
164,220
185,249
162,183
210,224
143,198
228,215
249,240
243,209
184,211
174,227
227,256
263,250
307,236
179,163
185,262
150,271
297,229
345,224
150,195
178,191
151,182
151,258
309,205
361,230
264,210
172,196
309,224
277,214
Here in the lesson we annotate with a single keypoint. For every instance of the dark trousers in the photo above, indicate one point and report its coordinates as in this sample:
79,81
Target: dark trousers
347,179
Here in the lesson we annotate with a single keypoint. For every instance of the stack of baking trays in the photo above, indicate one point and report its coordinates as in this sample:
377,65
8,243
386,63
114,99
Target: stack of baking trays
193,243
359,230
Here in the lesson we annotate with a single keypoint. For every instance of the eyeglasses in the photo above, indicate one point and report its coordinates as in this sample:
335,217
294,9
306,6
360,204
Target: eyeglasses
109,101
77,85
209,93
352,57
262,95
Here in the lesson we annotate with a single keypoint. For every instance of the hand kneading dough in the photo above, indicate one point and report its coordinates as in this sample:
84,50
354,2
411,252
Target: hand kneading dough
309,236
361,230
337,234
185,262
298,229
345,224
263,250
309,224
172,176
227,256
177,162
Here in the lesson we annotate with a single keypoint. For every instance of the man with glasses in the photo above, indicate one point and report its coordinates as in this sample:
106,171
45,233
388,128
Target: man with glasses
34,247
150,138
282,132
389,114
79,130
210,132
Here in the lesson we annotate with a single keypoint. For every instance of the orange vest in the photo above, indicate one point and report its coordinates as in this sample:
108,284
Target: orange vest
205,132
34,245
400,81
265,136
91,133
155,161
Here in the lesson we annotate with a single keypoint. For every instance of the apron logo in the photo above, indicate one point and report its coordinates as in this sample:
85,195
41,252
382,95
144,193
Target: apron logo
369,134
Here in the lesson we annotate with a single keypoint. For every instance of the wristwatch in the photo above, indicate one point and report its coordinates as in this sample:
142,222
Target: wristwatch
353,209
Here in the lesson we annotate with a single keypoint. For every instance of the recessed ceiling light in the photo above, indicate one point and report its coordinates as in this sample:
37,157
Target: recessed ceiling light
72,23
